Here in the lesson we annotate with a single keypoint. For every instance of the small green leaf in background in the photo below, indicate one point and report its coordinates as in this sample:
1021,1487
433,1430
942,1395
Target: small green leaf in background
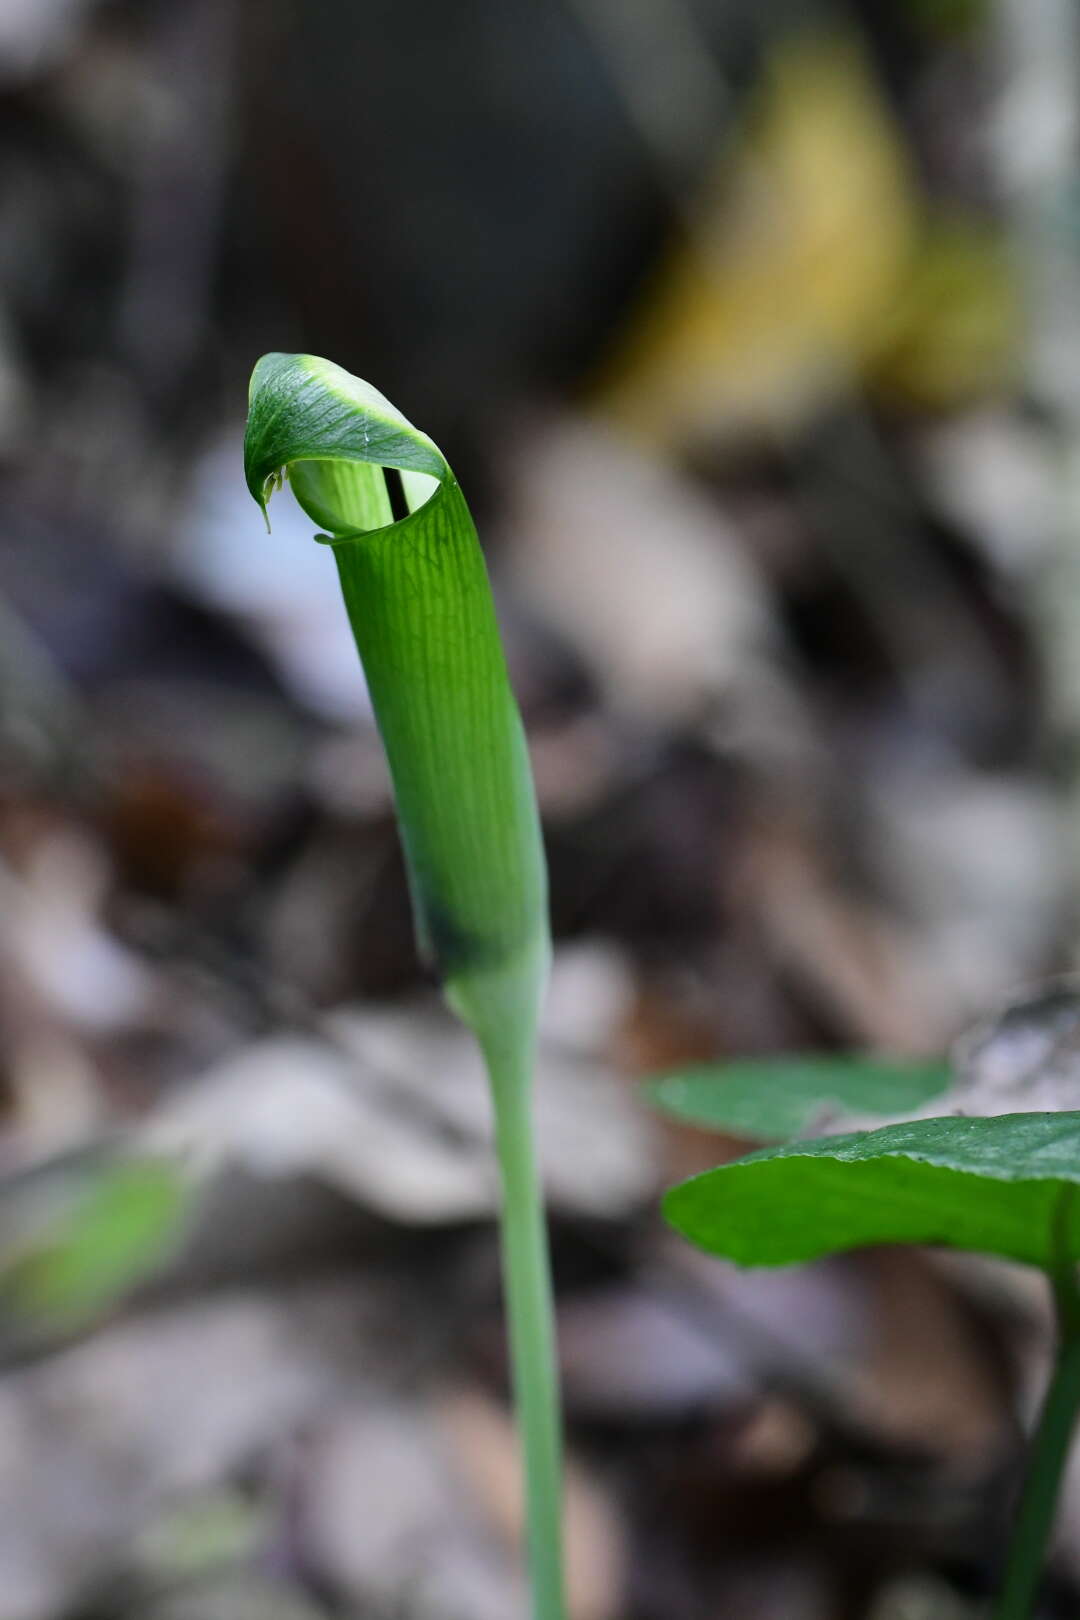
1000,1186
195,1536
110,1233
774,1099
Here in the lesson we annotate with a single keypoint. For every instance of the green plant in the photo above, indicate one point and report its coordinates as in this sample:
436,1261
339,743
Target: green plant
771,1099
86,1234
1005,1185
418,599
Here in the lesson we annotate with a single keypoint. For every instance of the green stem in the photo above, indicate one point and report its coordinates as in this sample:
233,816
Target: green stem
527,1285
1046,1464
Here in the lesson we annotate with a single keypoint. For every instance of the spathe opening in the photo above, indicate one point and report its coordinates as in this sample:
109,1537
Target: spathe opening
349,497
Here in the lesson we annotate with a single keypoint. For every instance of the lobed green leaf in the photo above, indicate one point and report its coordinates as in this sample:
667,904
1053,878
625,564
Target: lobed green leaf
1001,1186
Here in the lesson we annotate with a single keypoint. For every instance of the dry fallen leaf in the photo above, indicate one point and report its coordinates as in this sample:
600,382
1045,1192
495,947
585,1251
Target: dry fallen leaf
638,572
784,287
485,1446
391,1108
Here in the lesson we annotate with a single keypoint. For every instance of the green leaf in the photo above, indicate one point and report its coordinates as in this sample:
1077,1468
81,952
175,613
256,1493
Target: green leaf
115,1228
1001,1186
772,1099
421,610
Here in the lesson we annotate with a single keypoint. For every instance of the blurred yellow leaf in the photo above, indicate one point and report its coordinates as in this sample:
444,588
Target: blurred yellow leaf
955,329
803,268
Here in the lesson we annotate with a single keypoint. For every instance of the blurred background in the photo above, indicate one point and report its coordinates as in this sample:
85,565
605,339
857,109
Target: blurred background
752,329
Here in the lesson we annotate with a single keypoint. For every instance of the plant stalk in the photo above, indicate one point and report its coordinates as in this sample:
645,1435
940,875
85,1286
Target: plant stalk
530,1309
422,614
1046,1464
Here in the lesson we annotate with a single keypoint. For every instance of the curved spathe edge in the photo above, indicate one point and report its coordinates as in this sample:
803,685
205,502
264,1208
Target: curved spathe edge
304,408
